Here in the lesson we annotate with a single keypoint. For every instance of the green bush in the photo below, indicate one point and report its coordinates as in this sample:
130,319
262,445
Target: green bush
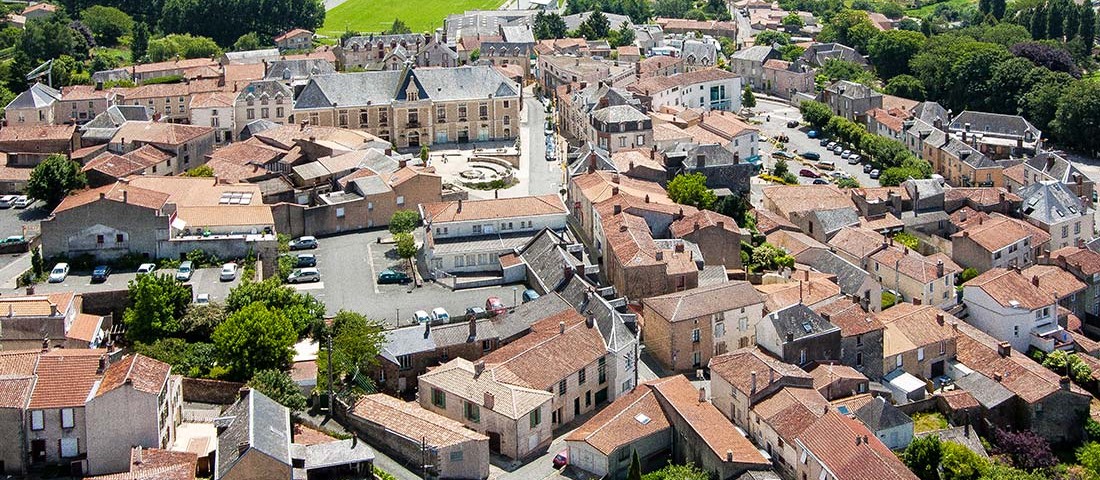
888,300
907,239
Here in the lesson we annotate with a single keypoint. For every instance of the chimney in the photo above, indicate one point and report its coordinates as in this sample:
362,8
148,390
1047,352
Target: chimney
561,327
695,228
997,376
752,375
790,337
660,255
614,190
1002,197
1004,349
1064,383
427,328
939,268
916,301
46,345
647,198
617,209
1080,243
679,247
615,178
962,215
729,455
702,395
939,319
479,368
137,455
966,234
623,228
53,309
590,321
721,224
102,365
1035,280
125,196
473,327
955,326
489,400
102,195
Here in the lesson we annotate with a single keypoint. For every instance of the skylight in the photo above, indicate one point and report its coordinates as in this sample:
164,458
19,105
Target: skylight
642,419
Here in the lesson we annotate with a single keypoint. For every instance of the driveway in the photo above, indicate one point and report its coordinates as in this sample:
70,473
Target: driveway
204,280
349,265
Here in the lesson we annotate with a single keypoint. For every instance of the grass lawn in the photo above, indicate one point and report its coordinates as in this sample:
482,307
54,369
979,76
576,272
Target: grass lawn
378,15
927,9
926,422
122,53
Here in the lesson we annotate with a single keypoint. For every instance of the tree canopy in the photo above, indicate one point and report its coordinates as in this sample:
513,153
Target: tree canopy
404,221
691,189
107,24
255,338
53,179
226,20
356,341
302,310
158,301
278,386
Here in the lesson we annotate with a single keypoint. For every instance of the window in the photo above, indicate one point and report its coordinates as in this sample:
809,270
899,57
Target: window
483,111
1065,231
456,456
67,420
695,336
897,361
719,329
279,112
943,347
622,141
1077,228
859,359
250,113
802,356
266,113
472,412
400,199
70,447
370,208
535,417
404,362
439,398
477,229
383,117
506,103
120,238
462,113
414,118
486,345
601,369
743,324
441,114
99,239
340,212
581,376
920,354
37,420
562,387
1016,331
696,359
507,120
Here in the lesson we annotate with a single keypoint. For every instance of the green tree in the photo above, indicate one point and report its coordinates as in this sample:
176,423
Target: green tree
278,386
356,342
549,26
181,46
203,170
793,20
37,265
967,275
906,86
255,338
672,8
139,42
1040,103
1086,31
475,54
624,36
678,472
847,182
691,189
54,178
891,50
1005,34
748,100
406,245
226,20
772,37
1088,455
635,471
960,463
398,28
107,24
195,359
249,41
781,169
404,221
200,320
850,27
997,8
596,26
1077,120
923,456
303,310
817,113
157,302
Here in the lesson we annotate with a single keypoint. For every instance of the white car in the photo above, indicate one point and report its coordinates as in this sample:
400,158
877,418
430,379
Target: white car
229,272
146,268
421,316
202,298
440,315
304,275
8,200
23,202
59,272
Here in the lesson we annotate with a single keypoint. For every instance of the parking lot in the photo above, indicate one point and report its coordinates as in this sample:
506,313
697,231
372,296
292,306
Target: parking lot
349,265
204,280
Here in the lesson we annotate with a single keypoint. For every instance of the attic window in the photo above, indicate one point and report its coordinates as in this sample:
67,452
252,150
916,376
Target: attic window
642,419
807,327
1033,201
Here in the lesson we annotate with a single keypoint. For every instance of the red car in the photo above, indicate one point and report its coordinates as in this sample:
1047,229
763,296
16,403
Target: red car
561,459
494,305
808,173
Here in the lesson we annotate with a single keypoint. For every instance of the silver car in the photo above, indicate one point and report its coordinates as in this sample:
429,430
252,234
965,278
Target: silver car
302,275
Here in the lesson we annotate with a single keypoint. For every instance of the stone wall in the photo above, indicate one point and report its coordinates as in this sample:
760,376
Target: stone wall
201,390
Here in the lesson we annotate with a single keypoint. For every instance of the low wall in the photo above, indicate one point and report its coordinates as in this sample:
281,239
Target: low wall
201,390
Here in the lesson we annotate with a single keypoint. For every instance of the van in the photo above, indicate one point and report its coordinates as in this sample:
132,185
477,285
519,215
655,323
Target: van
826,165
185,271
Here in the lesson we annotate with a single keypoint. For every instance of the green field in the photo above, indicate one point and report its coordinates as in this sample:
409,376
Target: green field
927,9
378,15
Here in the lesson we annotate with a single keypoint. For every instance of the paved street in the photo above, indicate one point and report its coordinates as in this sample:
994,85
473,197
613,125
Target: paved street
350,263
543,177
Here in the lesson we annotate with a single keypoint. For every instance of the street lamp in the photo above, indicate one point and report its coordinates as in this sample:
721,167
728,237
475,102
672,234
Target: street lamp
514,290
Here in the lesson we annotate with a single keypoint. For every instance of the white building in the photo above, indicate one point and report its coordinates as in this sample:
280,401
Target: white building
707,89
1012,309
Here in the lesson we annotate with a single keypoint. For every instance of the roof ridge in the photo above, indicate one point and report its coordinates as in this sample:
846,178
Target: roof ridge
617,415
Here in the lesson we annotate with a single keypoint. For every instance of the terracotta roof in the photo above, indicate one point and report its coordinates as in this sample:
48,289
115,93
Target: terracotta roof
984,196
293,33
84,92
119,166
22,133
805,287
1019,374
213,100
156,464
657,62
600,185
882,116
1010,288
18,362
850,317
240,75
667,132
1083,259
702,219
794,242
15,391
827,374
909,327
627,160
159,133
244,153
1054,281
40,6
881,223
1016,173
737,366
832,441
959,400
412,421
52,304
881,194
142,373
85,327
629,50
462,211
65,378
631,243
17,174
858,243
791,410
542,358
768,221
914,265
703,301
725,124
457,378
777,64
707,422
967,217
114,192
1000,231
621,423
174,64
789,199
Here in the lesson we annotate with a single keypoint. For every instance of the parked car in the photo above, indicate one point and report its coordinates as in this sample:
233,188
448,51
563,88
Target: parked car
392,276
421,316
305,260
493,304
530,295
561,459
853,160
812,134
100,273
875,174
826,165
146,268
229,272
824,142
202,298
7,201
867,168
839,149
303,243
184,272
23,202
303,275
439,315
805,172
811,156
792,124
830,146
476,312
783,154
818,181
59,272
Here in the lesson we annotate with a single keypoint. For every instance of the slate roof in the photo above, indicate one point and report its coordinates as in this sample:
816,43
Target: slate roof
848,276
704,301
619,114
985,390
995,123
832,220
406,341
1057,167
878,415
817,53
298,68
929,111
526,314
384,87
1050,202
799,321
39,95
756,53
255,421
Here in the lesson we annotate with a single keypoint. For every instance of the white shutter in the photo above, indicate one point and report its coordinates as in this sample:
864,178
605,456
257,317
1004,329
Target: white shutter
66,418
37,420
70,447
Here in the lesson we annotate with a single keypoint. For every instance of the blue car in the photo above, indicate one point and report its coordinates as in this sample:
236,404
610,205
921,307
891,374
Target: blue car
100,273
529,295
812,134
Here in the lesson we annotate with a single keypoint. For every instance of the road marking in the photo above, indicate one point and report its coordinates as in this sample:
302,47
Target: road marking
373,275
309,286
